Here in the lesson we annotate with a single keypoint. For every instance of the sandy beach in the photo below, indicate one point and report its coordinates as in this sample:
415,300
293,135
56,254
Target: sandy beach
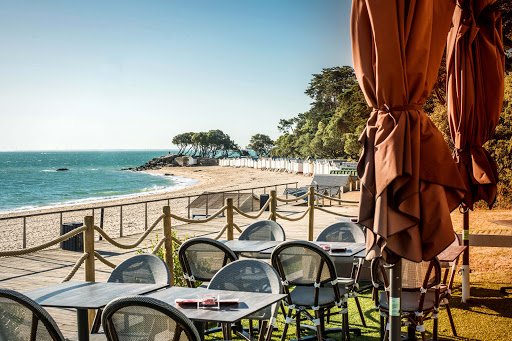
43,228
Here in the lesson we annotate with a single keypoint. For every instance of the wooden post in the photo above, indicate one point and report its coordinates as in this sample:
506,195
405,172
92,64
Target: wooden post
90,275
24,232
229,218
102,217
273,204
121,221
311,204
168,256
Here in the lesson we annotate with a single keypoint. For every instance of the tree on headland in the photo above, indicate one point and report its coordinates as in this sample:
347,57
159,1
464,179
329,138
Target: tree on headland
261,144
212,144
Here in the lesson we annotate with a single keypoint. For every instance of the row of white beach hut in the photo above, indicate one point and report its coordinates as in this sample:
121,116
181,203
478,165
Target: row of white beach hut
297,166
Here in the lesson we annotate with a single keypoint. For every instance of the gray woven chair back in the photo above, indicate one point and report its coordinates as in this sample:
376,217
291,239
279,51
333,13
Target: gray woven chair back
424,274
144,268
249,275
342,232
134,318
203,257
263,230
303,263
23,319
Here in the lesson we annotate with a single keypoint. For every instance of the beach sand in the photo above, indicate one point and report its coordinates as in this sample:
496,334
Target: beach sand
131,219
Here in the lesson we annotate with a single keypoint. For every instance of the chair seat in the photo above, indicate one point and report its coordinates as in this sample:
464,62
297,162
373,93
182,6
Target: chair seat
410,301
345,281
303,295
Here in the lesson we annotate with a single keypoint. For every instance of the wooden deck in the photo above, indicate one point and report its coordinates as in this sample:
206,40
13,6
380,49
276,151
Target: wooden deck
51,266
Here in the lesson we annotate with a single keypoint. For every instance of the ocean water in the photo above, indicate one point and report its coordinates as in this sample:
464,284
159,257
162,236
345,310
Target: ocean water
30,180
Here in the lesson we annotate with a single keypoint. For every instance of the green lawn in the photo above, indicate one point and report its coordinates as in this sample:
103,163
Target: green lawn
488,316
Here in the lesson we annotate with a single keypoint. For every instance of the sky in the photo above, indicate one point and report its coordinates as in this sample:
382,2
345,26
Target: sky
132,74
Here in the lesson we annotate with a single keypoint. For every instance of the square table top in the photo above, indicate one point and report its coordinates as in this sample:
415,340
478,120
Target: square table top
249,302
350,248
238,246
87,295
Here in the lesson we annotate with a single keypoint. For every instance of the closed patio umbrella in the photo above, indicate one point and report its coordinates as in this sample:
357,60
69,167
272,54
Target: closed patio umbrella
475,86
410,183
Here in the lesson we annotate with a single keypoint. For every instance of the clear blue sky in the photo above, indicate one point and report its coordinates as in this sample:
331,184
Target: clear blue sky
132,74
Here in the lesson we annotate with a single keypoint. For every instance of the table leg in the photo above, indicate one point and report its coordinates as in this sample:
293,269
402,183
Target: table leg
200,328
82,319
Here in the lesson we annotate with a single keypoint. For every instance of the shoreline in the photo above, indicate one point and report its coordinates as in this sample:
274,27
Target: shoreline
208,178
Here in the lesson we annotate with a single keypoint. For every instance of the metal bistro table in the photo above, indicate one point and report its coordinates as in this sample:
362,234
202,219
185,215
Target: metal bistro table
241,246
86,295
337,249
249,302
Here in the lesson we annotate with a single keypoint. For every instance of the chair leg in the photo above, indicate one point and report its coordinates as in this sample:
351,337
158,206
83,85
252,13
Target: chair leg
285,328
262,330
297,323
423,334
363,321
450,318
319,327
434,330
382,328
97,322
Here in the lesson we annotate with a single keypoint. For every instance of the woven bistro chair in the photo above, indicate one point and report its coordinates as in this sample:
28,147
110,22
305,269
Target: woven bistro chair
262,230
21,318
311,271
141,318
350,233
449,268
201,258
143,268
250,275
420,294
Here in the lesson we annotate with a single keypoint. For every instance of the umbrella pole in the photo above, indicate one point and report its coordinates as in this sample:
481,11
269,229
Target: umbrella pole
395,311
465,257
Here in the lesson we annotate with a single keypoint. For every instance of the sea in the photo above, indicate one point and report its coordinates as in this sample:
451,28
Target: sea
30,180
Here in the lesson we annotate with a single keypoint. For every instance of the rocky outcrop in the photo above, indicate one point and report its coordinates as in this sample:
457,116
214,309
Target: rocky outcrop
173,160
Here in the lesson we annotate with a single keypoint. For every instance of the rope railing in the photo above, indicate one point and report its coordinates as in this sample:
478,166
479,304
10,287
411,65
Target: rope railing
294,219
260,212
43,246
238,228
128,246
334,213
75,268
103,260
335,199
199,221
304,196
221,232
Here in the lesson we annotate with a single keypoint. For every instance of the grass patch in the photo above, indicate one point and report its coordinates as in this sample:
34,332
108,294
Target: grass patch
488,316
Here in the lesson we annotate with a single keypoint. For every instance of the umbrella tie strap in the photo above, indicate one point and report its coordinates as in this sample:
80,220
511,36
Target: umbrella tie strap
406,107
423,290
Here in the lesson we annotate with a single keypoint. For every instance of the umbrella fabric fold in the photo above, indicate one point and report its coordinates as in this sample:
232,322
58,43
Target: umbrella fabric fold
475,87
410,183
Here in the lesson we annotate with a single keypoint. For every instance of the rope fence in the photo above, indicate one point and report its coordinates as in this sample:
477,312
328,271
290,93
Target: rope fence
165,219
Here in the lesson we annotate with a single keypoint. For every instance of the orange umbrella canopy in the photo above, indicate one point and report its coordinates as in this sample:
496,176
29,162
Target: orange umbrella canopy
475,86
410,183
